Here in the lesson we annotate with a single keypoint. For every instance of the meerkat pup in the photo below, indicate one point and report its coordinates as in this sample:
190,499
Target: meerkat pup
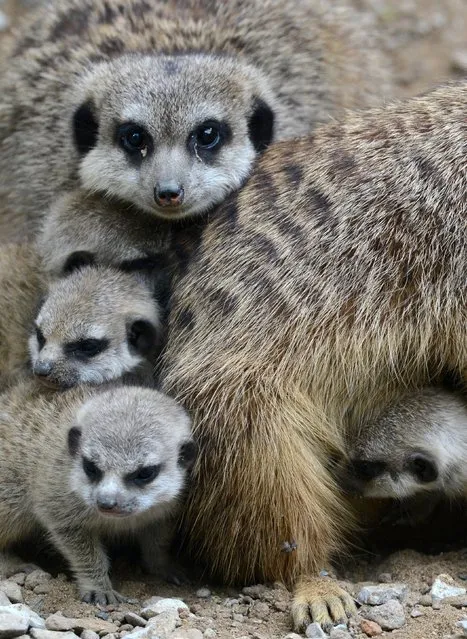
167,105
417,445
84,465
335,278
96,325
22,282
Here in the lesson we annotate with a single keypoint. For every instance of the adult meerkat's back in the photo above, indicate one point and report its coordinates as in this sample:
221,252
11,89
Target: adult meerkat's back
88,464
335,277
166,105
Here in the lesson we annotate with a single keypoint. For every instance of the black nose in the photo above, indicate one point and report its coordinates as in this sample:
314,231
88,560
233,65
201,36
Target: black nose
106,503
42,368
169,195
366,470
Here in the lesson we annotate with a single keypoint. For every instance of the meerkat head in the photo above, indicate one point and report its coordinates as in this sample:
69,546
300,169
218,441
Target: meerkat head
95,325
131,449
173,135
418,444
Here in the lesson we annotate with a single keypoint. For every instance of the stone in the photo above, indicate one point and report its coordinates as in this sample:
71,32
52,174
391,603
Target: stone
338,633
12,591
292,635
389,616
59,622
89,634
203,593
314,631
35,578
462,624
236,616
381,594
370,628
385,578
165,604
4,601
134,619
42,589
281,606
103,615
38,633
416,613
12,624
19,578
209,633
162,624
254,591
32,618
425,600
187,633
444,586
260,610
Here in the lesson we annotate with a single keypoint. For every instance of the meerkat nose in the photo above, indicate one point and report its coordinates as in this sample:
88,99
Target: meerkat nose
42,368
169,194
106,503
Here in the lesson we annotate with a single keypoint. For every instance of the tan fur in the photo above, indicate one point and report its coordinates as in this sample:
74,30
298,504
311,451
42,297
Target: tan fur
309,60
45,438
335,278
22,283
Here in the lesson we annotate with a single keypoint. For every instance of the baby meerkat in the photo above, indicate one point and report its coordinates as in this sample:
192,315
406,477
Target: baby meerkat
417,445
84,465
166,105
96,325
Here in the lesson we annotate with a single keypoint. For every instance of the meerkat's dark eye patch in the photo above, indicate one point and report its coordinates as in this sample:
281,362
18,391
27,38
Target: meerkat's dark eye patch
40,338
74,437
188,454
261,125
142,336
85,128
367,470
77,260
85,348
134,139
208,138
144,476
423,468
93,473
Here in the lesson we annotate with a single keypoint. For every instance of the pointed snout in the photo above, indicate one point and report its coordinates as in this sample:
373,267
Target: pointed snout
43,368
169,194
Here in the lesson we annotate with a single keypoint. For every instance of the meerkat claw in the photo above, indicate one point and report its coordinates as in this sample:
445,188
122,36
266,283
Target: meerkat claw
323,601
103,598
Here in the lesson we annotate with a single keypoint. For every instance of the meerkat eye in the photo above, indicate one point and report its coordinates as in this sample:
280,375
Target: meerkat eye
92,471
133,138
40,338
422,468
209,136
84,348
144,475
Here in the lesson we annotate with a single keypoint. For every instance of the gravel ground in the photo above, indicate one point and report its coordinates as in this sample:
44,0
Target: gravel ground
403,593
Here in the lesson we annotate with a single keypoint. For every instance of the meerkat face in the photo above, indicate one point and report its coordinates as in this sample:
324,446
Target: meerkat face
94,326
131,449
173,135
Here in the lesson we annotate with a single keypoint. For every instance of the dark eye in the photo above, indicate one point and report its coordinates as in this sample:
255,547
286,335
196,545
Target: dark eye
208,135
85,348
423,468
40,338
92,471
144,475
133,138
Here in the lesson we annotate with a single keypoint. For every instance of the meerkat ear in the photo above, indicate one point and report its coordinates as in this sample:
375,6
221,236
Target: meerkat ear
74,437
188,454
78,260
261,125
85,127
142,335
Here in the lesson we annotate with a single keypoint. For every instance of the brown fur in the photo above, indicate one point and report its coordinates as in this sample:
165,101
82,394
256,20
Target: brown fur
21,286
336,277
316,61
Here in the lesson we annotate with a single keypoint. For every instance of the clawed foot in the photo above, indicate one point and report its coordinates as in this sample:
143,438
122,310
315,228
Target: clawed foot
323,601
103,597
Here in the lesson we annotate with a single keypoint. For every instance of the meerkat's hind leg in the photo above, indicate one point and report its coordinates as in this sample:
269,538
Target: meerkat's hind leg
155,543
11,564
322,600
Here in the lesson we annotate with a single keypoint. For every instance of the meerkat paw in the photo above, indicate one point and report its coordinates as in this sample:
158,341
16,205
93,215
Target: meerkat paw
11,564
323,601
103,597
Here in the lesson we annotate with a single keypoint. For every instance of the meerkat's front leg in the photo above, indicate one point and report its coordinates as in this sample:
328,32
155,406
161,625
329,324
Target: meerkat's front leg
88,562
322,600
155,543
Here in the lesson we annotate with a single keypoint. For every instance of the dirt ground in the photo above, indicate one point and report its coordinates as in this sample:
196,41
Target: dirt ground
427,41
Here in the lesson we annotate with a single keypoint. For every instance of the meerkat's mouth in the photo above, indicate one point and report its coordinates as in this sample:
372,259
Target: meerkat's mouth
114,513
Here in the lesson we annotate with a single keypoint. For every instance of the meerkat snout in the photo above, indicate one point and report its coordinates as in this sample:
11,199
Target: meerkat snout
169,195
95,325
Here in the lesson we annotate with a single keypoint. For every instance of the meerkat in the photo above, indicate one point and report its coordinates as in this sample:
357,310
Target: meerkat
83,466
22,282
333,279
415,446
96,325
166,105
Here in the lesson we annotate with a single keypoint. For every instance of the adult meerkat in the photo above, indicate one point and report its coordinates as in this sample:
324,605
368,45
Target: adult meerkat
96,325
22,283
84,465
335,278
166,105
415,446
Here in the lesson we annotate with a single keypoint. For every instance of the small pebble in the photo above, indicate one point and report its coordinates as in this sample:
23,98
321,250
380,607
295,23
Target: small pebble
203,593
209,633
338,633
89,634
187,633
12,624
12,591
167,604
254,591
126,627
35,578
118,616
416,613
370,628
426,600
134,619
445,586
292,635
42,589
281,606
4,601
389,616
32,618
237,617
260,610
163,624
314,631
381,594
462,624
38,633
102,615
385,578
19,578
